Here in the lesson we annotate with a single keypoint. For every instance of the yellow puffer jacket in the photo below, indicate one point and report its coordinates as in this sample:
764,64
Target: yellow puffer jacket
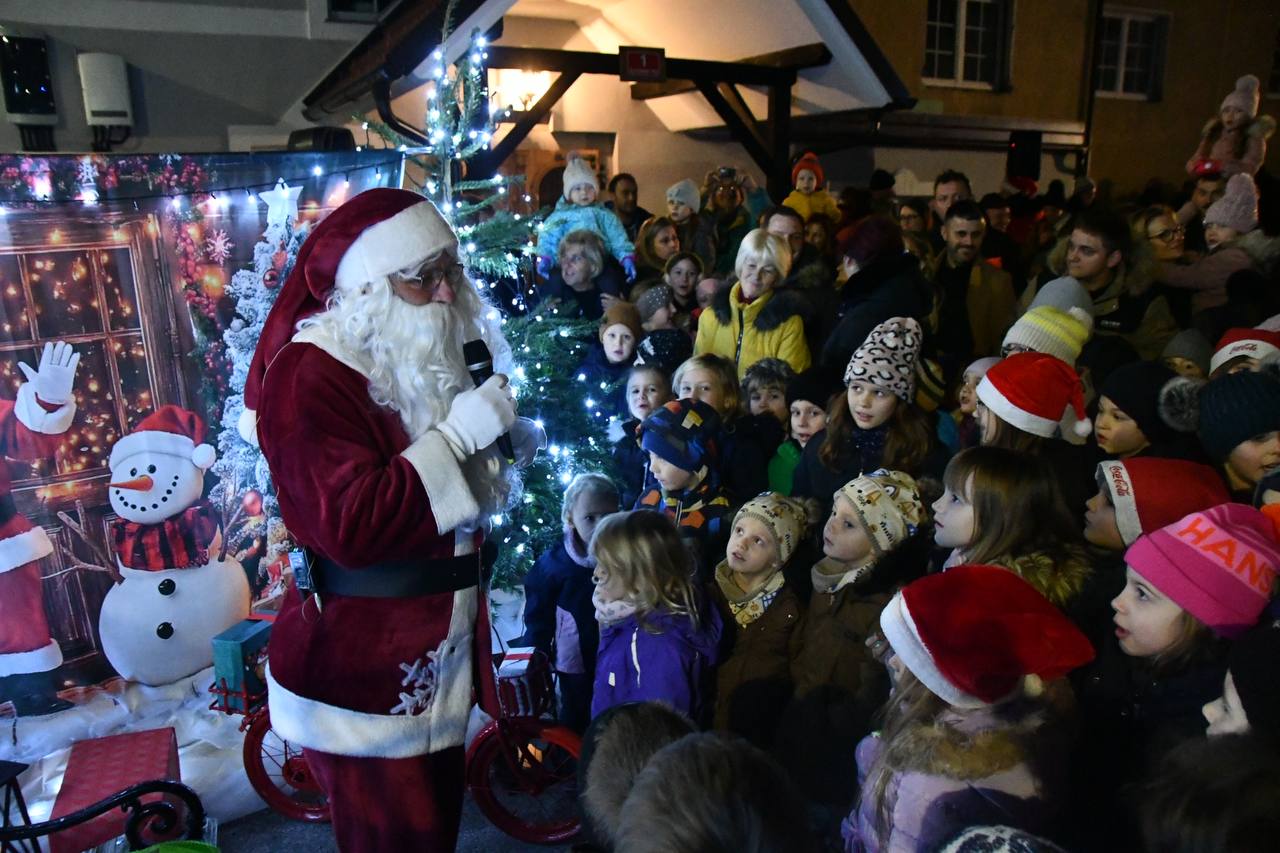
770,327
818,201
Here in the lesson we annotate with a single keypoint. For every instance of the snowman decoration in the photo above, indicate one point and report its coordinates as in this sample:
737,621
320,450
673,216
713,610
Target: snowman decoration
177,593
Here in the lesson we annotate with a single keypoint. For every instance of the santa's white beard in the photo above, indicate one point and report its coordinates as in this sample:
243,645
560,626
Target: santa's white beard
412,356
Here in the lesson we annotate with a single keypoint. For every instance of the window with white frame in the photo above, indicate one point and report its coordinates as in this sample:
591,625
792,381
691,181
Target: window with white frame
967,43
1131,54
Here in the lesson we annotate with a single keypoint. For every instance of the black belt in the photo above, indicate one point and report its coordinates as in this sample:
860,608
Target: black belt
7,508
397,579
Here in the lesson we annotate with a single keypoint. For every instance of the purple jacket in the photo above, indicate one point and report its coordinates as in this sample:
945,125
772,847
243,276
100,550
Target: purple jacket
666,659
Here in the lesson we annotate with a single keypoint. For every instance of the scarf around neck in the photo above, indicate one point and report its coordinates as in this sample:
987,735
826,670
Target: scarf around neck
612,612
868,445
578,555
747,607
830,576
178,542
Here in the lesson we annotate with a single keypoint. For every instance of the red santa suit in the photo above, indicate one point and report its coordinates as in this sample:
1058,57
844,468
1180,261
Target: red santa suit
378,689
29,429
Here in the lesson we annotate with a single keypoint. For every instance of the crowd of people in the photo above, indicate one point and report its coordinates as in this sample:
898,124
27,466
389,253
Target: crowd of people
961,516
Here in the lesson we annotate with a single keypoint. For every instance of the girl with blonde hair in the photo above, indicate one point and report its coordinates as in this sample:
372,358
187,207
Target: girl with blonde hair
659,637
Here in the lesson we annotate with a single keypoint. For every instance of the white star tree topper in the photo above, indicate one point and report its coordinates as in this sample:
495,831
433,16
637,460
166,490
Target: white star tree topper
281,202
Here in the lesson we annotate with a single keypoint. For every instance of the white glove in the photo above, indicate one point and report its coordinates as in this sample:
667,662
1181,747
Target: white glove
477,417
57,373
527,438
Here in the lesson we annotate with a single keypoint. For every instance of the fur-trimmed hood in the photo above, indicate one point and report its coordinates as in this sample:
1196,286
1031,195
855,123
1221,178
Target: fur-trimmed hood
1059,578
780,306
974,746
1261,126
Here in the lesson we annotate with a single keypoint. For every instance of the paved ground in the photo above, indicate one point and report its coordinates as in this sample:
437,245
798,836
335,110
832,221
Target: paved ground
268,832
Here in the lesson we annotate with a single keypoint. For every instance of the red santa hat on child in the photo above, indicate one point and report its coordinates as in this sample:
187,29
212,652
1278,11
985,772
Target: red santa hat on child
1252,343
371,236
170,430
973,634
1036,393
1149,492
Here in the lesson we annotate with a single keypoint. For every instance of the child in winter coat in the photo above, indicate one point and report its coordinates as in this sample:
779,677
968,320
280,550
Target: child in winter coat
682,273
807,398
1235,141
579,208
682,440
1031,402
1000,508
1240,350
606,364
647,390
967,738
697,233
810,195
761,613
1237,418
1191,586
870,548
967,397
876,423
559,618
748,442
659,635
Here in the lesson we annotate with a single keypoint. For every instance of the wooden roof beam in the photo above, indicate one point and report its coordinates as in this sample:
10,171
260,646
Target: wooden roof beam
791,59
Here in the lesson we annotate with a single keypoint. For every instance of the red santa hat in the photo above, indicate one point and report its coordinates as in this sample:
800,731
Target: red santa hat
372,235
170,430
1141,492
1036,393
973,634
1250,343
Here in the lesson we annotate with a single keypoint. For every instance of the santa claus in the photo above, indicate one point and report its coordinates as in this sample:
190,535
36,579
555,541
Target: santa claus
381,450
31,427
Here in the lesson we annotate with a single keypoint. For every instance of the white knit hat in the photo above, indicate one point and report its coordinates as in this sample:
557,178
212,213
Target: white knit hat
578,172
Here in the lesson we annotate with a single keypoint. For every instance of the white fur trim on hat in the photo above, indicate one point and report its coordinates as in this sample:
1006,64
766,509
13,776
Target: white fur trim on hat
996,401
1249,347
900,630
37,660
156,441
1114,477
411,236
18,550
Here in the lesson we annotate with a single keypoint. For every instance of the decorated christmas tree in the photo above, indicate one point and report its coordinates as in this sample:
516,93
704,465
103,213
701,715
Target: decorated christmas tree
244,491
496,240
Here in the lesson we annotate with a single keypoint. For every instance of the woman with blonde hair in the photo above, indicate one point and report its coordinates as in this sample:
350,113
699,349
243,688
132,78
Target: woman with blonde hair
751,320
659,636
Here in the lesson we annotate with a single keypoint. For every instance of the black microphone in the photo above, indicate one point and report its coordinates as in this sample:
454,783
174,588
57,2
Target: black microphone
480,365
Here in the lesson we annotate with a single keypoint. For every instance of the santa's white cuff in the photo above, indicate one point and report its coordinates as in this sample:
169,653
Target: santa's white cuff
34,417
451,500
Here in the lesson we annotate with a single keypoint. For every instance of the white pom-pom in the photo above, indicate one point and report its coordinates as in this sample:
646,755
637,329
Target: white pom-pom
247,426
1083,316
1083,427
203,456
1032,686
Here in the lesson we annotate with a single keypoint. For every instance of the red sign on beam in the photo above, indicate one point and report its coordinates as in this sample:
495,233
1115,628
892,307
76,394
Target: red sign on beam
642,64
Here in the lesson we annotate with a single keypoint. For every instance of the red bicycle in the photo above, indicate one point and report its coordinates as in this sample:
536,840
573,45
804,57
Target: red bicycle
521,768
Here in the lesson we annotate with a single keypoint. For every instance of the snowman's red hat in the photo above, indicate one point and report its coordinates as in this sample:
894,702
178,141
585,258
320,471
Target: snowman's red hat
170,430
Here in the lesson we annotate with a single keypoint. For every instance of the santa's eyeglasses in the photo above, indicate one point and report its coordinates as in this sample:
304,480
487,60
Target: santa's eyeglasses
431,276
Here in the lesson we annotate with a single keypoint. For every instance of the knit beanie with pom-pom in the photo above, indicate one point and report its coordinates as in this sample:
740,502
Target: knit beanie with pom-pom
1244,97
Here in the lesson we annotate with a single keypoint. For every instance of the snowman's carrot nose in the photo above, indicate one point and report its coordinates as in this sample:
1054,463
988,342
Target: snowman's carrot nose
138,484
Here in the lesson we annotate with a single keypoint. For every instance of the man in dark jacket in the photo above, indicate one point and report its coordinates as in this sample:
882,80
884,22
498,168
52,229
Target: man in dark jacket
885,281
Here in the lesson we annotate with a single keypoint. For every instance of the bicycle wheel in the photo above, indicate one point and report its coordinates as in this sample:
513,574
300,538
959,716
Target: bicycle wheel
279,772
522,773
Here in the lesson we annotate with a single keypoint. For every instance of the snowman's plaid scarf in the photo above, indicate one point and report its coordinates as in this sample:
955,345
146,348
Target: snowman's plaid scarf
179,542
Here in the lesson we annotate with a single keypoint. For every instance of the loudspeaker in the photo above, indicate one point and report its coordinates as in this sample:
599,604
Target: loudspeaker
1023,157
